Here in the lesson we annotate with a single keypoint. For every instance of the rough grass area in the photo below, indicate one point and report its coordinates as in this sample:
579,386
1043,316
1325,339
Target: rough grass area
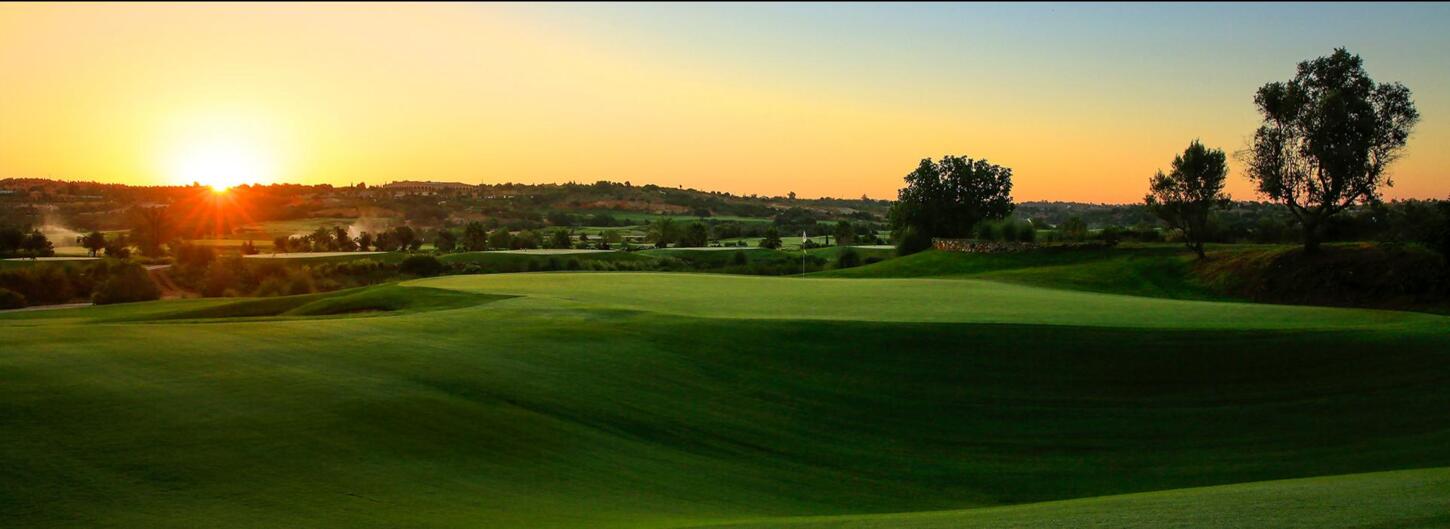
1363,275
1402,277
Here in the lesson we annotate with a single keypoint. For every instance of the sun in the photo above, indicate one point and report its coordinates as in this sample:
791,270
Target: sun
220,163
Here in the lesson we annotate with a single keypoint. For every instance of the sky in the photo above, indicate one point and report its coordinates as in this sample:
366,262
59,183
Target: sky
1083,101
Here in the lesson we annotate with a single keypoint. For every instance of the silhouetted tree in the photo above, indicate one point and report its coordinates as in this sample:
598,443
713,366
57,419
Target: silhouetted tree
93,242
364,241
1185,195
1328,136
404,237
151,227
36,245
946,198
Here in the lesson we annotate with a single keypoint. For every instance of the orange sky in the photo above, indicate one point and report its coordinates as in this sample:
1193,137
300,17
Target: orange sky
1083,102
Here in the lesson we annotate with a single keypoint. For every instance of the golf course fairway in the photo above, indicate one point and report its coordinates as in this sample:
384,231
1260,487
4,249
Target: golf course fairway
583,400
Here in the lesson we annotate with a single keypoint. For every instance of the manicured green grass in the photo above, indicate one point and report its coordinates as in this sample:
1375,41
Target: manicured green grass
1148,270
911,300
674,400
1404,499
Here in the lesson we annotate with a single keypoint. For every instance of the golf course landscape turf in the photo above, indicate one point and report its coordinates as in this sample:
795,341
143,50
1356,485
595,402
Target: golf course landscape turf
579,399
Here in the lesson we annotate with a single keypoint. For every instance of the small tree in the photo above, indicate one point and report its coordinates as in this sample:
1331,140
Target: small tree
500,239
93,242
364,242
280,244
127,283
1184,197
1073,229
1328,136
559,239
118,247
772,238
404,237
844,232
663,232
849,258
445,241
342,239
152,227
696,235
37,245
475,237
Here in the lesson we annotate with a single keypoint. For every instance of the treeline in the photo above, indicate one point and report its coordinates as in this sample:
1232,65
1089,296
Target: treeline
1320,155
103,281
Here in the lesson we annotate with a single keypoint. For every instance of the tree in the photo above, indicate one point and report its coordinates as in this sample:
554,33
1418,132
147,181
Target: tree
446,241
10,239
663,231
772,238
1327,138
500,239
844,232
848,258
559,239
1184,197
322,240
696,235
127,283
118,247
342,240
364,241
280,244
948,197
1073,229
151,227
475,237
525,240
93,242
404,237
37,245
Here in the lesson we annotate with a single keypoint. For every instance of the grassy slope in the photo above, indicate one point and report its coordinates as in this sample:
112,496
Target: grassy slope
1410,499
646,400
1156,271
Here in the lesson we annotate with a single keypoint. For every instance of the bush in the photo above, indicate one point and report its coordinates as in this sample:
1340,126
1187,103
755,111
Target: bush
911,240
421,265
10,299
739,259
128,283
849,258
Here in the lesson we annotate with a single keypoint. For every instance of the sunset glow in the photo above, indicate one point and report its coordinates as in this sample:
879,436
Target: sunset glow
1084,102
